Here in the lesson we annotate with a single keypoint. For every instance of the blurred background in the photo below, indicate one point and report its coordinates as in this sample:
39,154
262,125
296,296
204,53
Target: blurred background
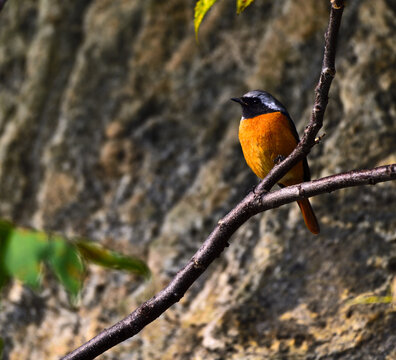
116,124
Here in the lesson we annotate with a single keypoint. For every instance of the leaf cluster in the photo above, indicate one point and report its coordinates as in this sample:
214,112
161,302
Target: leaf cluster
26,253
203,6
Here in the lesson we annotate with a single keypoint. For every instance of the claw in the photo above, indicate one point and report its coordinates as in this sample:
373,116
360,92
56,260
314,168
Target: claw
279,159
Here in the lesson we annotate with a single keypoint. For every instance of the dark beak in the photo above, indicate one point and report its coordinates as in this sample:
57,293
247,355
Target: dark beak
239,100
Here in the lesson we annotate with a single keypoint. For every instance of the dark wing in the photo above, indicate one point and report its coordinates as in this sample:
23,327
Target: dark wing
307,173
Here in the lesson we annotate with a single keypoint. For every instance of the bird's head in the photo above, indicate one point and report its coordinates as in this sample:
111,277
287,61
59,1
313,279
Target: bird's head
258,102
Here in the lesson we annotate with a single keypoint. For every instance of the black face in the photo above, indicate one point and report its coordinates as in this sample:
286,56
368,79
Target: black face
258,102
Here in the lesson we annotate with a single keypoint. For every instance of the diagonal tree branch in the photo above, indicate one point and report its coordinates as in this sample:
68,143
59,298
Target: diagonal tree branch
255,202
213,247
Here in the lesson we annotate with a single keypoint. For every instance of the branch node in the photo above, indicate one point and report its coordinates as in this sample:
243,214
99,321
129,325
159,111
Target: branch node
319,138
259,198
197,264
301,191
329,71
391,169
337,4
317,108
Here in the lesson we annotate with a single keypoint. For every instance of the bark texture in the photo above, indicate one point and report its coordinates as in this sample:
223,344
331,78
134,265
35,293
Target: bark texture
116,125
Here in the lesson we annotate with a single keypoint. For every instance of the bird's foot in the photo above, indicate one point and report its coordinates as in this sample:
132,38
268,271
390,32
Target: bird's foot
279,159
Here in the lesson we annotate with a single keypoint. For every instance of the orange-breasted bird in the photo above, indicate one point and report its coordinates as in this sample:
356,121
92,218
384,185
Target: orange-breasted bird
267,135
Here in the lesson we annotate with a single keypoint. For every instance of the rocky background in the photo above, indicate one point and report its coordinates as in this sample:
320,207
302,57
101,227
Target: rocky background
115,124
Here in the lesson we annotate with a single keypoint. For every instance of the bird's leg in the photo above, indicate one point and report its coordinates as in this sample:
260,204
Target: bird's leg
279,159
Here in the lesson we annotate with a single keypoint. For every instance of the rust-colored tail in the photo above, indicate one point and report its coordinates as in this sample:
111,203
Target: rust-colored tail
309,216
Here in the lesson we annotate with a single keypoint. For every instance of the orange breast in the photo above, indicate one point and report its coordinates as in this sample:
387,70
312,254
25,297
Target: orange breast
263,138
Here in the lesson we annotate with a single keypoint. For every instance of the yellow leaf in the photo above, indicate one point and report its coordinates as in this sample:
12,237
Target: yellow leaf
367,299
201,8
242,5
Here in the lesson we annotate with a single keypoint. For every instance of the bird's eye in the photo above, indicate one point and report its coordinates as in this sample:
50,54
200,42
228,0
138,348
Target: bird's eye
255,101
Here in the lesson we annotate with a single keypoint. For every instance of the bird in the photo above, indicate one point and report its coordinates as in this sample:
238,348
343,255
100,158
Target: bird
268,135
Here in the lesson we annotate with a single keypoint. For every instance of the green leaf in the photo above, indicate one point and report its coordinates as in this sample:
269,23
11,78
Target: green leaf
24,253
99,255
242,5
66,264
5,229
201,8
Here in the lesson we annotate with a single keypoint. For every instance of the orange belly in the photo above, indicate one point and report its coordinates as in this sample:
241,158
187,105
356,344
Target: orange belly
265,137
